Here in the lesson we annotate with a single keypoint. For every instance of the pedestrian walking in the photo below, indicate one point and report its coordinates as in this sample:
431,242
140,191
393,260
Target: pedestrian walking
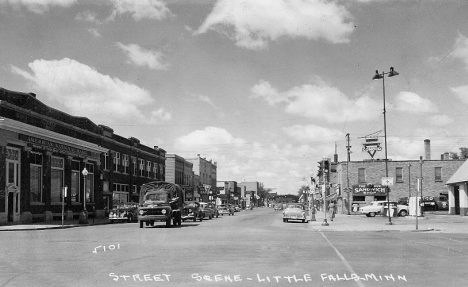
332,209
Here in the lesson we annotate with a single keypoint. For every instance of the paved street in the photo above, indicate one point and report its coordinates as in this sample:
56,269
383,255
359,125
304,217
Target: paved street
252,248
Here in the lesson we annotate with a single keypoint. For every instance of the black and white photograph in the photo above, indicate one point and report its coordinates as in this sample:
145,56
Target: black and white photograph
233,143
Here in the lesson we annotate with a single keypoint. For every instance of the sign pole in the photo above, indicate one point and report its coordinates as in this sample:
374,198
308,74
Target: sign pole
64,194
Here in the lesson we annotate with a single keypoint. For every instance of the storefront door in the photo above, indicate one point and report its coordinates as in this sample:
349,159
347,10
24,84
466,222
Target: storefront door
12,188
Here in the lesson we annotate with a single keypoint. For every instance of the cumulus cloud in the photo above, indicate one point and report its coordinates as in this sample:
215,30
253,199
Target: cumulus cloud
414,103
319,101
440,120
87,16
142,57
252,24
95,33
38,6
461,92
282,166
141,9
83,91
313,133
461,49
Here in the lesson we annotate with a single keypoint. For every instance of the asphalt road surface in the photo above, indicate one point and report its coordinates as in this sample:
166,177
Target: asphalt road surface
251,248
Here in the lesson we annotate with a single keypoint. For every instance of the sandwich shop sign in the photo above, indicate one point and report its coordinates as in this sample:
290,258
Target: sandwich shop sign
369,189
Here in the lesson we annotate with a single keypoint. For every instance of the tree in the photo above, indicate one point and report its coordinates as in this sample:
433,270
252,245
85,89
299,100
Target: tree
463,153
302,189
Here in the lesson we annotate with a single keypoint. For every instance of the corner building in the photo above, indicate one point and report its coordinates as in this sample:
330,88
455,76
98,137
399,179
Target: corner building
43,150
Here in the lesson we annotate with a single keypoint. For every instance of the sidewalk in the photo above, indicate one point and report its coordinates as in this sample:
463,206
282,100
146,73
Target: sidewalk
429,223
53,225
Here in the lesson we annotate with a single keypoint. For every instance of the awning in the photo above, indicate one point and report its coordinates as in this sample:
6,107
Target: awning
461,175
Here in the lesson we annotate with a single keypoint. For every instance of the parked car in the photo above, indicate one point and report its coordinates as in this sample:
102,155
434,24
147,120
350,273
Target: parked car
124,212
435,203
377,208
278,206
295,211
222,209
191,211
207,209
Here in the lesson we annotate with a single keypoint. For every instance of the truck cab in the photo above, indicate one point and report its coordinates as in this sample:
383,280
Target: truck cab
160,201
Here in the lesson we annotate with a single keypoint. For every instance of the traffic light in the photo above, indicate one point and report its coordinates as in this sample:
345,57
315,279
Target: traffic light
326,169
320,169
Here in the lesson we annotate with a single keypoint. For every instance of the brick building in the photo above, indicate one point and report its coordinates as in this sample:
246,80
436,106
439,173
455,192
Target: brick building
180,171
43,150
206,173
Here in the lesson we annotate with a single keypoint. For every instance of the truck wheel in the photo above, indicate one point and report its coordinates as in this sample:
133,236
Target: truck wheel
141,224
372,214
403,213
168,222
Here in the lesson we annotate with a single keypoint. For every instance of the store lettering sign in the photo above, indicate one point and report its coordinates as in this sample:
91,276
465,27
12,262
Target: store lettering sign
54,146
366,189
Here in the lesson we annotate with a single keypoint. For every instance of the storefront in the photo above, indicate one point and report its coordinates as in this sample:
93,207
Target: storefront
458,191
38,164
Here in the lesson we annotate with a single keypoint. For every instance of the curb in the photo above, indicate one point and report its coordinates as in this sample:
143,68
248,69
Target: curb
11,227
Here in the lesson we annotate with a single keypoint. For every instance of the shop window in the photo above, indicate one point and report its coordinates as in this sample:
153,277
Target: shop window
379,198
438,173
75,181
361,175
399,174
57,165
35,160
89,192
359,198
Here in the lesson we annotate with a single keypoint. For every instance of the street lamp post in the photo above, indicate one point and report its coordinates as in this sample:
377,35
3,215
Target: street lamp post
379,76
84,215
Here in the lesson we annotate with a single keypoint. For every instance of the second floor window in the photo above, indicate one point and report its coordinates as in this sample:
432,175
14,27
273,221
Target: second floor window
125,163
134,165
155,170
361,175
142,166
116,161
399,174
438,173
148,168
106,161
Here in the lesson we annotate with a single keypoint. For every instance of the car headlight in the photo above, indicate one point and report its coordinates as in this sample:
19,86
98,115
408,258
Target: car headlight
163,211
141,212
303,215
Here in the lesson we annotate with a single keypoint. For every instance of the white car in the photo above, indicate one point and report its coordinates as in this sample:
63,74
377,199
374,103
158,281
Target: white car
295,211
377,207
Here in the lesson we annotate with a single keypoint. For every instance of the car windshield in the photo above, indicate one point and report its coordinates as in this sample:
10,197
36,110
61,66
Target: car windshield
296,206
156,196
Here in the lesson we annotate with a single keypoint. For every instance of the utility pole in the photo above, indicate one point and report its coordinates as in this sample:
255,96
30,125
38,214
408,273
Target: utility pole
348,148
324,194
409,182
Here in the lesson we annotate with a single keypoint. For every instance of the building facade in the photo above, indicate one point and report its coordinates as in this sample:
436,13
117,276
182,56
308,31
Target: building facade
51,162
206,173
364,179
458,191
180,171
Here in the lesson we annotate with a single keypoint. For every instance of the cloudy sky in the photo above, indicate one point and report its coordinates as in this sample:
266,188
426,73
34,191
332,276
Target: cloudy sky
266,88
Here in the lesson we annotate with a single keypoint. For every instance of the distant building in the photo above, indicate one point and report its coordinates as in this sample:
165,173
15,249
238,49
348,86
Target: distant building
206,171
180,171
